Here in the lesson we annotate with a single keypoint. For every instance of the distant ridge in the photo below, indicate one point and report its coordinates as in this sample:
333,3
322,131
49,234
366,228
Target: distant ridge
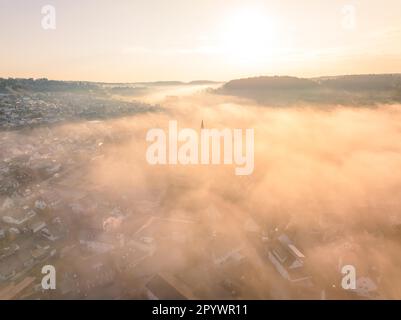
369,81
266,82
45,85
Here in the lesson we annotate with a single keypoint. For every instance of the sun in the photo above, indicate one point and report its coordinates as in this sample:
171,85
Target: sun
248,36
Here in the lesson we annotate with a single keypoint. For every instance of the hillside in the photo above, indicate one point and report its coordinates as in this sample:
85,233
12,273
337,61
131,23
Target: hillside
347,89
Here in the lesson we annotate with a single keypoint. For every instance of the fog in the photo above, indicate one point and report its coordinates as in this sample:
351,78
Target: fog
328,176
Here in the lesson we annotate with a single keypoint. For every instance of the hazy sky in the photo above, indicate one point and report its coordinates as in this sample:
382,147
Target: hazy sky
131,40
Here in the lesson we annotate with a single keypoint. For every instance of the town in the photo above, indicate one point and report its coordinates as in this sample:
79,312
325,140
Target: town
107,238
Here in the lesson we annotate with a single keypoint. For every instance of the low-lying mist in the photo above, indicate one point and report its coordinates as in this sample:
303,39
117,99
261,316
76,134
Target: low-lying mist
327,176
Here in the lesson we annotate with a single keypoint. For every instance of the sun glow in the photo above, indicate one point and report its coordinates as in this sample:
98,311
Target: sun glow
249,37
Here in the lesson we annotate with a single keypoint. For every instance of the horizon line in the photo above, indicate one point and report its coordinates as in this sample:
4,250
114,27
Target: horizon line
202,80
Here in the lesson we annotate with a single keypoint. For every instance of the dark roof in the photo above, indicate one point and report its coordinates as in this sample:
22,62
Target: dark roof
163,290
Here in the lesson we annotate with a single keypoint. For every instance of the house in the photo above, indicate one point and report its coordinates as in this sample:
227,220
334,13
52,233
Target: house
40,252
13,233
98,247
47,234
37,226
8,251
52,198
96,241
288,261
164,286
232,254
225,249
6,272
21,220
